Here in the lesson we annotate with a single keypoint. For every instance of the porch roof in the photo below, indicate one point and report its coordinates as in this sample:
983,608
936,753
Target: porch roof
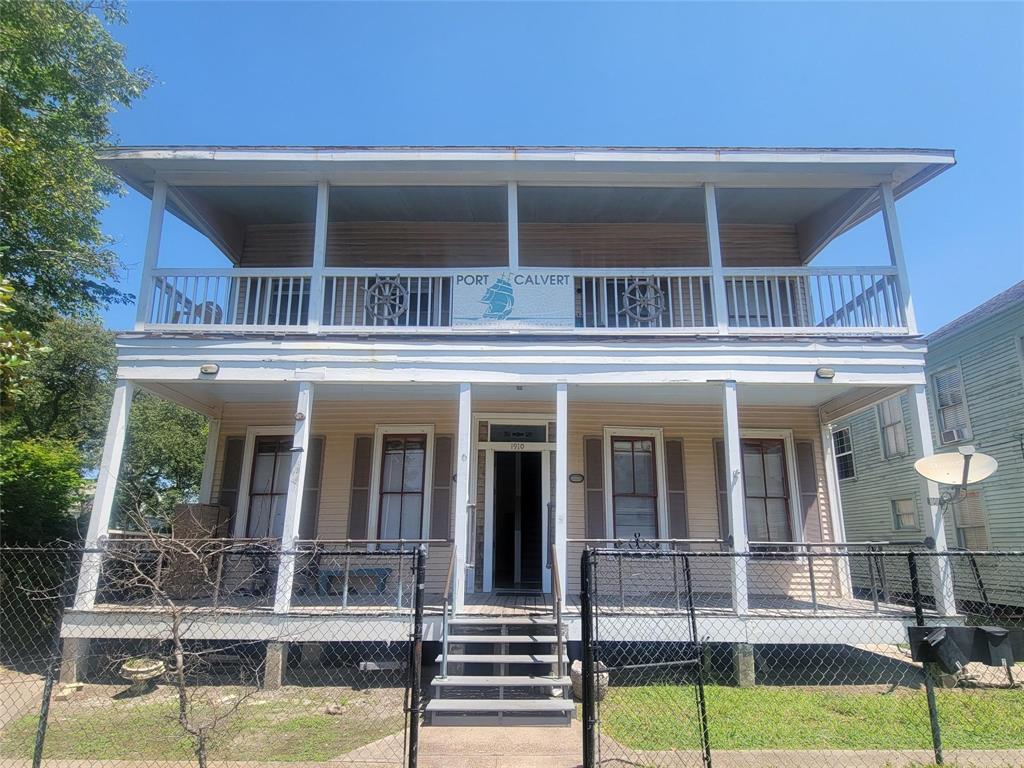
823,192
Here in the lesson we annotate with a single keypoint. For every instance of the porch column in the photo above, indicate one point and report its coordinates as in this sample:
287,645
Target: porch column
719,302
209,459
293,502
895,242
462,476
149,259
561,479
513,226
316,280
103,500
835,505
935,525
735,495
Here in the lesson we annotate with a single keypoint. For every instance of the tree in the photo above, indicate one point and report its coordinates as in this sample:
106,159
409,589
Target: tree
163,461
41,483
17,350
61,75
67,391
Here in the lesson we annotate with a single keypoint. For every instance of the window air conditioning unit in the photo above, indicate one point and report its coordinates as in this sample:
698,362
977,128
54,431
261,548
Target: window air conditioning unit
954,435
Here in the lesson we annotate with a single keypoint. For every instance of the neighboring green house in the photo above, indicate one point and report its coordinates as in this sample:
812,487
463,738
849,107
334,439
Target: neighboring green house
975,369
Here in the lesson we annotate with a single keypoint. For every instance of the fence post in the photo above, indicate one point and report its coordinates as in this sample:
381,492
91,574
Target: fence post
587,636
702,711
63,596
933,710
416,658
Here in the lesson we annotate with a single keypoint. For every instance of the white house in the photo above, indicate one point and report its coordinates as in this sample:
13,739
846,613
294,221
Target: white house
509,352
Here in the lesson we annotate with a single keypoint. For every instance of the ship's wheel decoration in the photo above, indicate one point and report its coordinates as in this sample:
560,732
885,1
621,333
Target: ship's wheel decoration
643,301
387,299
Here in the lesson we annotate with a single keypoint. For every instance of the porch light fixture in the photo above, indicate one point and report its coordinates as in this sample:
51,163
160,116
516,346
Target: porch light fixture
825,373
209,368
575,477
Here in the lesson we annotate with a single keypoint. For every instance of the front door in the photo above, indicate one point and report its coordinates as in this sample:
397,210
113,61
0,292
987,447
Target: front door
518,520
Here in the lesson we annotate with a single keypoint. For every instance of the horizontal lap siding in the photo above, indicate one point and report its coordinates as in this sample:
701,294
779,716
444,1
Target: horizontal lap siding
698,426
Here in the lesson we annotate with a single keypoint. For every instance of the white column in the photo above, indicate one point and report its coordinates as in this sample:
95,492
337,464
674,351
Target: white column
513,226
293,502
935,526
103,500
719,303
835,505
462,476
152,252
209,460
735,496
895,241
561,480
316,280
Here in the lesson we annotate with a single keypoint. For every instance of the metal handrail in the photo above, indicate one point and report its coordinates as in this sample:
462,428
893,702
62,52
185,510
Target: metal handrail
556,605
445,615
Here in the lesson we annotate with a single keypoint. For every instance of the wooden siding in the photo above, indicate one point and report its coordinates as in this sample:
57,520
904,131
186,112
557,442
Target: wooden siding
993,376
698,426
444,244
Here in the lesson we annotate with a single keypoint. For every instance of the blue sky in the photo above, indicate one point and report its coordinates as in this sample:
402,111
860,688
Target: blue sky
946,75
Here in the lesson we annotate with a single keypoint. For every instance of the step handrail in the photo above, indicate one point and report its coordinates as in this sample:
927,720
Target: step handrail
556,605
445,614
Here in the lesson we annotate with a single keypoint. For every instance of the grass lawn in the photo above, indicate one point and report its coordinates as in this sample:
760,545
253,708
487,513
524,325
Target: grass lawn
282,730
661,717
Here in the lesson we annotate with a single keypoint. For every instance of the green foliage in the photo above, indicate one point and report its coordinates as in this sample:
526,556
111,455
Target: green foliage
67,393
41,484
61,75
163,461
17,350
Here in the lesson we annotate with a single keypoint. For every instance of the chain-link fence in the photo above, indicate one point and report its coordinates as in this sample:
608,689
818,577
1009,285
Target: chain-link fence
159,651
798,656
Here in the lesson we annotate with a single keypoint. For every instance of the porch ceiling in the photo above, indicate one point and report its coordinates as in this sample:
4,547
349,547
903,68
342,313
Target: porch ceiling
208,396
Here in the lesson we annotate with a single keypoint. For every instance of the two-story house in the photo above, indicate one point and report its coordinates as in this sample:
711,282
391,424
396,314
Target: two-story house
975,372
512,352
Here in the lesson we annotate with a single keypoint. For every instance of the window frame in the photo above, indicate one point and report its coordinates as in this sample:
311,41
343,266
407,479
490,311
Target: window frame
957,528
381,432
882,427
937,409
661,503
836,454
894,508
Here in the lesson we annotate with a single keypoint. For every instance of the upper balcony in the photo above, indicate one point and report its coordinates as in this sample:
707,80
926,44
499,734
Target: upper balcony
456,247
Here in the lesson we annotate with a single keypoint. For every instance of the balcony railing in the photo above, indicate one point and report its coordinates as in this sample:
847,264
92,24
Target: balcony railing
799,301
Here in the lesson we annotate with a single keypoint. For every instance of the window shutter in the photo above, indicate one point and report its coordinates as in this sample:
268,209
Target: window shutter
441,495
593,460
231,475
807,479
724,529
675,479
359,505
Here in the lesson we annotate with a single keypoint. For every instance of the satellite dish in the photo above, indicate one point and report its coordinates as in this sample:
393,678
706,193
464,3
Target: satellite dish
963,468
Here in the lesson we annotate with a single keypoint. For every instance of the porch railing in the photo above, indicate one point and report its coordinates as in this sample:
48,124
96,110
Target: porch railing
799,300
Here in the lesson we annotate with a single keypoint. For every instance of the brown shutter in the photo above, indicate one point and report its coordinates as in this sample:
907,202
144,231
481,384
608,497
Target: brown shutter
807,479
675,479
441,497
310,513
231,475
723,489
359,506
593,488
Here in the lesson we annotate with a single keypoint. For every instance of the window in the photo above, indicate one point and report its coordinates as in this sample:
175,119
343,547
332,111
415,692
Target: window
402,474
767,491
951,406
634,488
904,515
969,517
843,443
268,487
894,433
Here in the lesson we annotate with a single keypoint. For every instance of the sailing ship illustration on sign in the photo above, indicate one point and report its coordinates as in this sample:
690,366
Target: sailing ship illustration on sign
499,298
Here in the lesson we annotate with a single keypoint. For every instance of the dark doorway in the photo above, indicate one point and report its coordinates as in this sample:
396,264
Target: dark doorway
518,522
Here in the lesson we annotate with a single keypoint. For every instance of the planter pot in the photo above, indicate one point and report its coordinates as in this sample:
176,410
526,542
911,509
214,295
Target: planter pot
142,673
601,680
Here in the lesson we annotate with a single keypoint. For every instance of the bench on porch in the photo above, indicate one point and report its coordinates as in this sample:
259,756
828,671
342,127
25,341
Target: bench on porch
378,576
